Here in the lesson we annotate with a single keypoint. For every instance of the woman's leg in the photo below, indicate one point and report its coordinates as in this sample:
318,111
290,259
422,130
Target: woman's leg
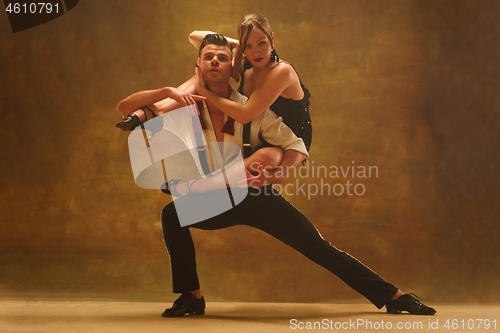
131,121
133,118
269,157
143,114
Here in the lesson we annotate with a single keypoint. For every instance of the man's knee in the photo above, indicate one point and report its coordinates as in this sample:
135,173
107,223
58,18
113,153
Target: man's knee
169,216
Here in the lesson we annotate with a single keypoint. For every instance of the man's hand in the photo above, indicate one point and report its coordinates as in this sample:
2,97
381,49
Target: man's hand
263,177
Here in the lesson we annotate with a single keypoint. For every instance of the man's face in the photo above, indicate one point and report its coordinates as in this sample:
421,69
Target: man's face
215,63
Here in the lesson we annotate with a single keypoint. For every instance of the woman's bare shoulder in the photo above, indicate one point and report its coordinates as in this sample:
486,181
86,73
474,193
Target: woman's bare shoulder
284,71
283,66
286,74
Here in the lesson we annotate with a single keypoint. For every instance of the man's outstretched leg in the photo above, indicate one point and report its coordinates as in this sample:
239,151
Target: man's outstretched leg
281,220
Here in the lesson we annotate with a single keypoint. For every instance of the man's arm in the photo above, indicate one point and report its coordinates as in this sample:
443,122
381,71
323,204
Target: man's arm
272,129
291,159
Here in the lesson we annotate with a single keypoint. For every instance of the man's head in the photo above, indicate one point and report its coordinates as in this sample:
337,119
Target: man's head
214,59
214,39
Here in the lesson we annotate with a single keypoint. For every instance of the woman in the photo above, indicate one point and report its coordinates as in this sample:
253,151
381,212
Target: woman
269,82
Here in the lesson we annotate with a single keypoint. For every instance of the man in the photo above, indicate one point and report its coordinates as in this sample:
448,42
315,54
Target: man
263,208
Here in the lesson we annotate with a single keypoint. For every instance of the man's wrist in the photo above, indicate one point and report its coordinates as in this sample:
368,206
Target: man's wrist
280,175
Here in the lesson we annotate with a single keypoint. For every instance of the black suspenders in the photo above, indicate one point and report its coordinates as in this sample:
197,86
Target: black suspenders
202,154
247,149
200,147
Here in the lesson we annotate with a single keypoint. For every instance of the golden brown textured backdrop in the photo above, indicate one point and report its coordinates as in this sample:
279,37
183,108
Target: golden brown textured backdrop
410,87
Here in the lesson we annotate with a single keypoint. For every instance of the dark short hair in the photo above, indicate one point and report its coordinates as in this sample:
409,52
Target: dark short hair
214,39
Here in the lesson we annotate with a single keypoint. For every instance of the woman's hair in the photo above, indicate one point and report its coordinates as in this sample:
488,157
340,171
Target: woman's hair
250,21
215,39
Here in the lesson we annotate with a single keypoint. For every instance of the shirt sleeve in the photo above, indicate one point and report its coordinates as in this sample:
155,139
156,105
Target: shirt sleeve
274,131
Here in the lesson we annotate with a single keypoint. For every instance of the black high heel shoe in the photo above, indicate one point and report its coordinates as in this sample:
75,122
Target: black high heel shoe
410,303
187,303
165,189
131,121
170,187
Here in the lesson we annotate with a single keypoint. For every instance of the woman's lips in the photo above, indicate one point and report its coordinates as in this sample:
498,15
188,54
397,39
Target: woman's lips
258,59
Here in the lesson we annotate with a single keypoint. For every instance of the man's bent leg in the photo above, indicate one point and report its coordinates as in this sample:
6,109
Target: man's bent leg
181,250
178,239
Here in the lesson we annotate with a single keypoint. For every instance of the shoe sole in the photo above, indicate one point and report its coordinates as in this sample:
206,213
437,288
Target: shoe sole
193,313
394,311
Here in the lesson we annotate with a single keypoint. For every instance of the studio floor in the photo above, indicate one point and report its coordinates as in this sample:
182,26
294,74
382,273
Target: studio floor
84,315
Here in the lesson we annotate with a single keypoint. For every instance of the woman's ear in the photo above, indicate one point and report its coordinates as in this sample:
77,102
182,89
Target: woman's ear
272,37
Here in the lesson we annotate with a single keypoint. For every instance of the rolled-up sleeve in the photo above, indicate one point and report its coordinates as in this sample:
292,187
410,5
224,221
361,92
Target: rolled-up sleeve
275,132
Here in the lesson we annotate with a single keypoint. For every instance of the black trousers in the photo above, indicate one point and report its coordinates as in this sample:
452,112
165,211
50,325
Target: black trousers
268,211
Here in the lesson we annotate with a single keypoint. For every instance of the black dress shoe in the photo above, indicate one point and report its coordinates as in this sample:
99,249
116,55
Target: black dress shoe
408,302
129,123
187,303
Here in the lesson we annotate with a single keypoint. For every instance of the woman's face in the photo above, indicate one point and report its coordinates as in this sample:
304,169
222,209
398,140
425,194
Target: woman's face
258,48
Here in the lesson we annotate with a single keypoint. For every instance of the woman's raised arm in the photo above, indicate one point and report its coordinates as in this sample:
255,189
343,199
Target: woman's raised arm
196,37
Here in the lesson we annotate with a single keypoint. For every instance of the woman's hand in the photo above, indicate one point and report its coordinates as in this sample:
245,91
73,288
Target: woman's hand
200,82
